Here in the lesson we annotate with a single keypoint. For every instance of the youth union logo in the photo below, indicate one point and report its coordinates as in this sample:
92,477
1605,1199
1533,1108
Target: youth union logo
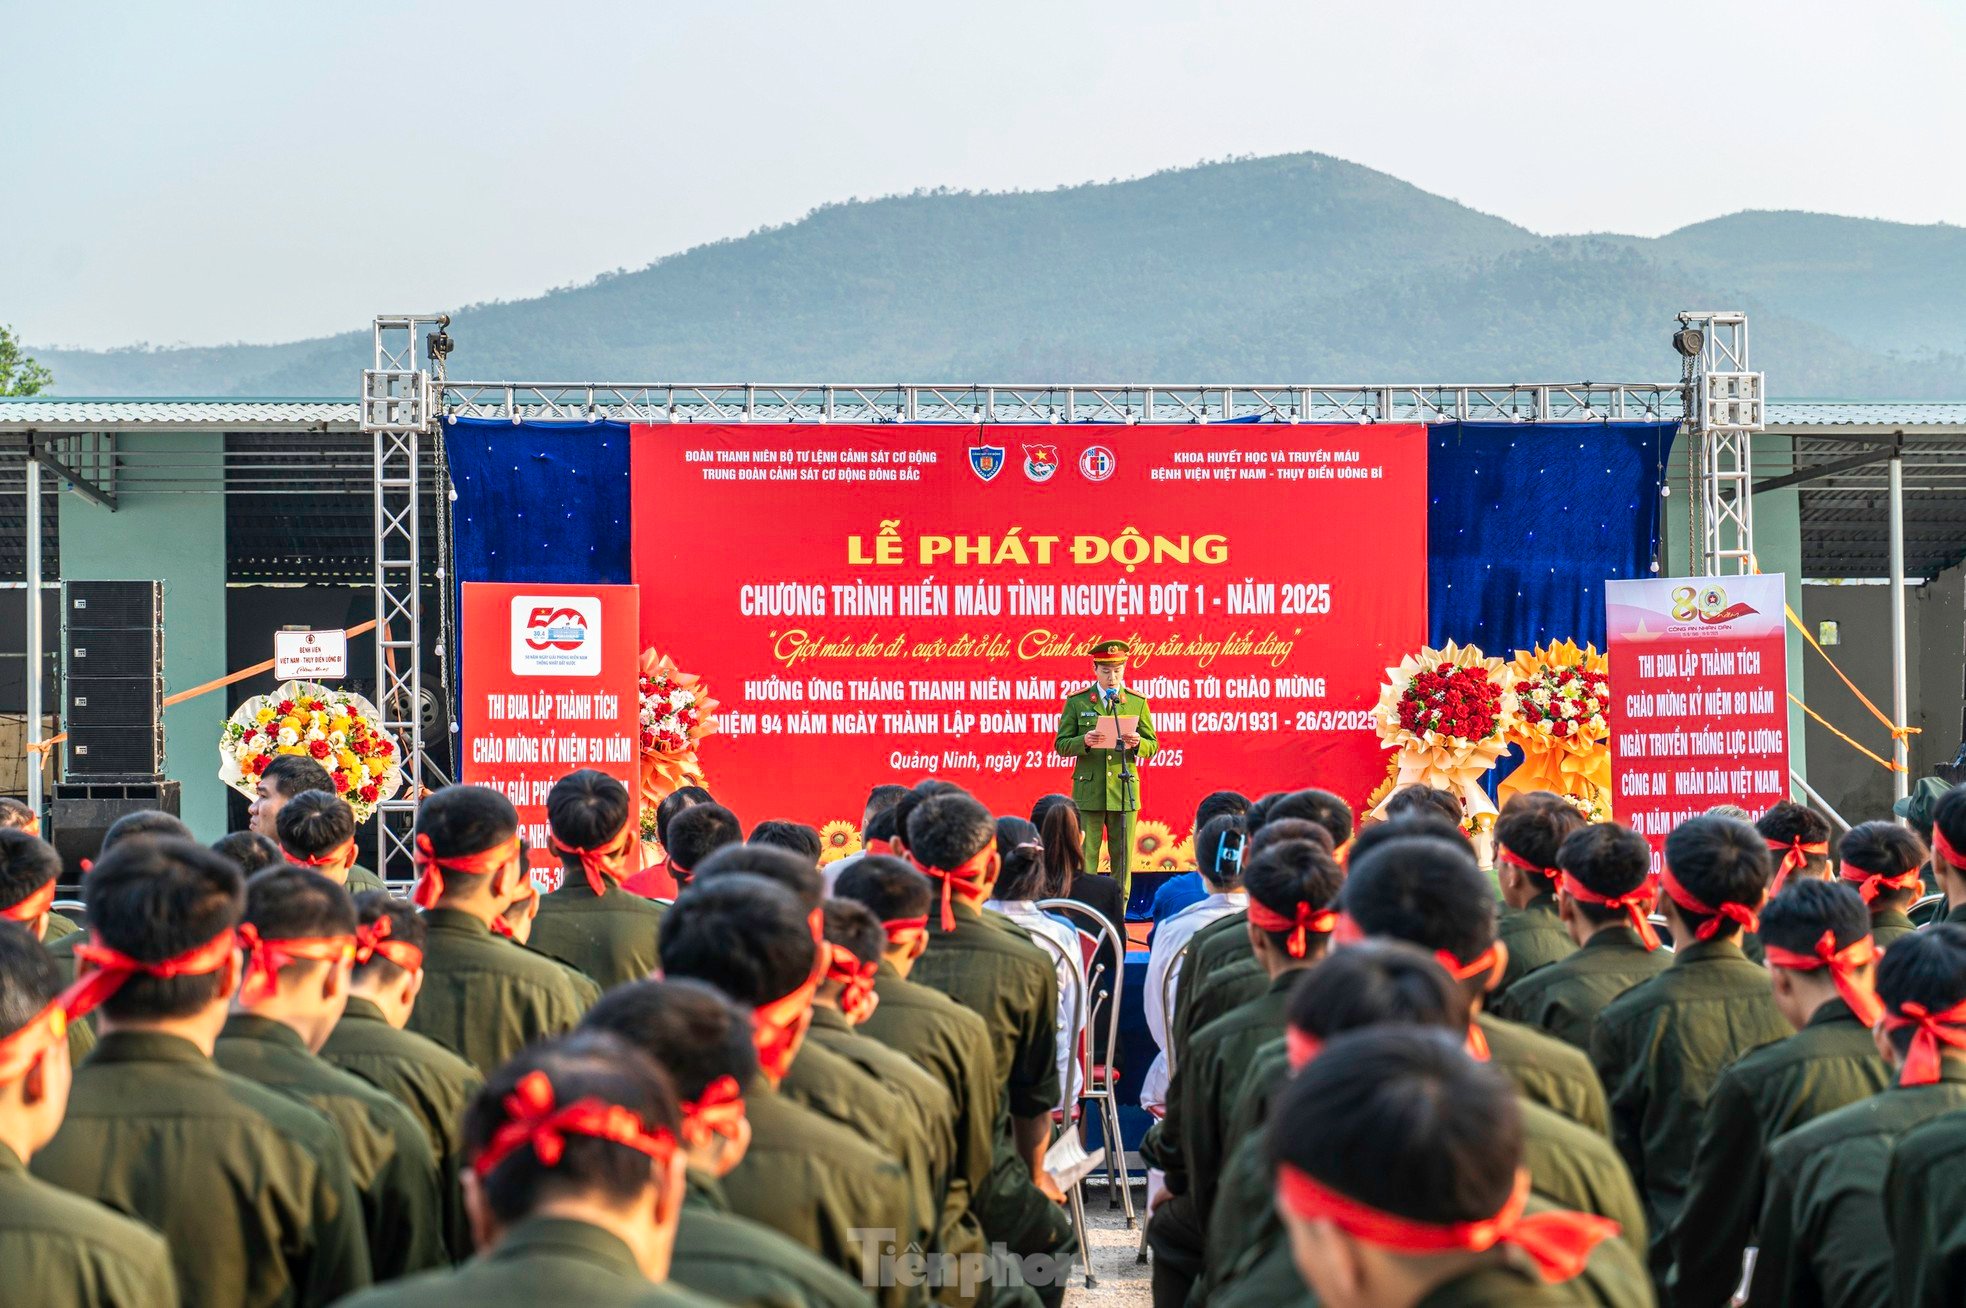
1097,463
1040,461
986,461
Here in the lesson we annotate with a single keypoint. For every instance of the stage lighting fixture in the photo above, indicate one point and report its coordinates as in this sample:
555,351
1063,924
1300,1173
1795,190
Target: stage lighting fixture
1688,341
438,344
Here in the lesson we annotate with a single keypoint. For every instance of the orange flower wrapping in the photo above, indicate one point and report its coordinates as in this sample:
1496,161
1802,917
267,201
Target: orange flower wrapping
671,729
1564,697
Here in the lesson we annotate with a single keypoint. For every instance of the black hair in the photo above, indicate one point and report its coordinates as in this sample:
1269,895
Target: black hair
1287,829
854,926
14,813
923,790
314,822
887,886
676,801
879,827
1719,860
1400,1118
465,820
1886,849
795,837
1425,799
1259,810
1014,831
1025,874
1426,890
1217,803
1376,983
26,864
405,924
28,978
291,903
293,775
1222,850
1319,806
946,831
1796,919
1534,832
1609,860
250,850
157,898
1292,873
881,799
585,1065
586,809
692,1030
1926,967
1422,822
1064,845
741,933
698,832
798,875
1042,809
148,822
1789,821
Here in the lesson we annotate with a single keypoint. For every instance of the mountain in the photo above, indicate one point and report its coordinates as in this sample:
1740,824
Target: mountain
1297,268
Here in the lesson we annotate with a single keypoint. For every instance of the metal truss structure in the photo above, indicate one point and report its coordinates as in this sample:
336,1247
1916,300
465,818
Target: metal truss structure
1724,408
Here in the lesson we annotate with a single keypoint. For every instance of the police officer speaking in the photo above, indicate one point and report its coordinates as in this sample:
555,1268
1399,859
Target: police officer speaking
1106,773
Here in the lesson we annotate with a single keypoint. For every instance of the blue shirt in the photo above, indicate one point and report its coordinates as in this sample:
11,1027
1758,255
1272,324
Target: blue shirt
1176,893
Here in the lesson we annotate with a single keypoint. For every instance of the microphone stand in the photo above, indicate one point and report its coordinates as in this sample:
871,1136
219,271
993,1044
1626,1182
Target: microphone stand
1126,776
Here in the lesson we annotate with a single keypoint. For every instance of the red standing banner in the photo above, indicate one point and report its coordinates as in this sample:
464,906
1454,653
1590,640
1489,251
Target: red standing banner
550,686
1699,697
882,603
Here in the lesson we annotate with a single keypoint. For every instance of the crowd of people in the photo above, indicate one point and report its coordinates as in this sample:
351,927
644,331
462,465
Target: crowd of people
1395,1067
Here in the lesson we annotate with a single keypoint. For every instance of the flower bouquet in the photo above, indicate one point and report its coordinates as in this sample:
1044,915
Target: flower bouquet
676,712
340,731
1564,694
1447,714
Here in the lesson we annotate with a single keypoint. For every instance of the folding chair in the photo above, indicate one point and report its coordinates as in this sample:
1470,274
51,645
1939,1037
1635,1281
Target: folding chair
1659,924
1169,983
70,908
1066,1116
1102,1077
1921,912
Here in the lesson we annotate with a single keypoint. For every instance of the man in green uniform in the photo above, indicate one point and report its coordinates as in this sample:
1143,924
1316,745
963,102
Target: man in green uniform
1605,900
1823,1234
317,830
703,1042
576,1185
1012,984
1883,861
424,1077
299,933
29,868
1106,778
1527,836
809,1178
1390,1200
482,998
155,1130
1662,1045
589,923
286,778
58,1250
1825,991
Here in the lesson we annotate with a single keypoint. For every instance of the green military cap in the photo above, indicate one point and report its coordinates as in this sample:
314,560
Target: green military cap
1924,797
1111,651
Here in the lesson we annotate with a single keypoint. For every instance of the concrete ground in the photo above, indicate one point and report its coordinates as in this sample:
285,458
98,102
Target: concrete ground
1124,1282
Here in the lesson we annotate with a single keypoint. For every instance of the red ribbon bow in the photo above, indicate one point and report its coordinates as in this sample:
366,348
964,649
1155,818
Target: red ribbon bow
603,864
719,1110
1559,1243
775,1025
1707,930
1514,859
378,937
1795,856
1474,967
265,958
1304,920
965,878
1300,1047
1842,964
857,997
1637,903
430,869
340,858
534,1121
110,969
1933,1029
1872,884
43,1031
34,905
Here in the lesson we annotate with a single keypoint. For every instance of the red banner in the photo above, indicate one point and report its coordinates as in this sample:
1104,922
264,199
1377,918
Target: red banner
1699,698
550,680
878,604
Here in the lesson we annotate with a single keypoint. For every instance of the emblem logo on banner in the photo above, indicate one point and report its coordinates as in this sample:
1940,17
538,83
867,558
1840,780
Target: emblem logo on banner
986,461
555,635
1097,463
1040,461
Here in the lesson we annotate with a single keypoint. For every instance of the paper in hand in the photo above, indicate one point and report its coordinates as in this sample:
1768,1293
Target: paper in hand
1107,733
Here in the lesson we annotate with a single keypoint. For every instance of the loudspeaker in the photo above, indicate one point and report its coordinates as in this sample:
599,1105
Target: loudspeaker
113,678
83,812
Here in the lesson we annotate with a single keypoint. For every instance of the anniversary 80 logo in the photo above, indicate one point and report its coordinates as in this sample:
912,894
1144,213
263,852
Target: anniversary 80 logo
1707,604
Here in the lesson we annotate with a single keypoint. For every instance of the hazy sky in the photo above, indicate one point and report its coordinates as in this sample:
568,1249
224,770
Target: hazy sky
201,172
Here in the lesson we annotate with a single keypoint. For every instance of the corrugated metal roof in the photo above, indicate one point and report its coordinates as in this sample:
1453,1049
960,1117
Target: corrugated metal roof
181,414
1786,415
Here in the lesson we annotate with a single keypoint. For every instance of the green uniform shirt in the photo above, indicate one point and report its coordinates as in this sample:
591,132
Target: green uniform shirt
1097,781
1612,1278
1823,1235
611,937
484,998
1536,938
1547,1071
1565,997
929,1106
251,1189
360,879
1207,996
1206,1085
389,1157
1659,1048
541,1260
61,1251
1768,1092
824,1187
429,1080
839,1091
734,1260
1890,924
1925,1211
57,927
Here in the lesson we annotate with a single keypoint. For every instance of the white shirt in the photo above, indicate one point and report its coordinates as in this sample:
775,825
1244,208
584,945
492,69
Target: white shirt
1170,937
1071,981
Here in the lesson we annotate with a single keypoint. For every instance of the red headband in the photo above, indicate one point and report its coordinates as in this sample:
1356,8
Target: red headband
1474,967
1300,1047
1707,930
1637,903
430,869
265,958
36,903
1559,1243
20,1049
1934,1029
534,1122
897,927
857,997
719,1110
110,969
1795,856
876,846
1514,859
775,1024
340,858
602,864
962,878
1872,884
1322,921
1842,965
378,937
1943,848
